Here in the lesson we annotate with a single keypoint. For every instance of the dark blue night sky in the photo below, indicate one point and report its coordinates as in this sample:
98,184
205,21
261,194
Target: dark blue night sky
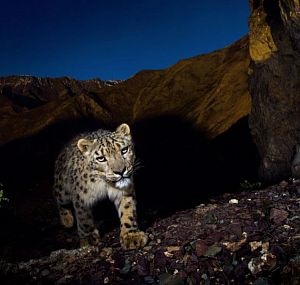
112,39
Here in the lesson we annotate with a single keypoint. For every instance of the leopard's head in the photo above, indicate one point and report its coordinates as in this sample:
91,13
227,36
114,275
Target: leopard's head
110,157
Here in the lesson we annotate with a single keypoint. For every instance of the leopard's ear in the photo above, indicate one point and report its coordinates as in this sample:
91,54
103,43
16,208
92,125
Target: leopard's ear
84,146
123,130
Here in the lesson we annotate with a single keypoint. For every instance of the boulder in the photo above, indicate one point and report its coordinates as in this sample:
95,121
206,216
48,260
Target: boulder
274,84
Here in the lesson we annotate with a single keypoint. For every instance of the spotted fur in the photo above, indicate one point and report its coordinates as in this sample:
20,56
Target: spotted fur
94,166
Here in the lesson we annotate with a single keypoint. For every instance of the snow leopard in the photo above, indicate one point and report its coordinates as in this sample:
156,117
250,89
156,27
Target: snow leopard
91,167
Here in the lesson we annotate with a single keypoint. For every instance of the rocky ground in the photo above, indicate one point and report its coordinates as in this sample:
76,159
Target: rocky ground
251,237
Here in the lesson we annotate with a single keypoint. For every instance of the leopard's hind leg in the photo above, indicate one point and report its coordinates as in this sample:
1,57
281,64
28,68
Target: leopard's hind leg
88,233
66,216
65,212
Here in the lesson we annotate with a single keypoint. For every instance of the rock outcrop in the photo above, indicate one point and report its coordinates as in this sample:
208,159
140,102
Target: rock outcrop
274,83
210,91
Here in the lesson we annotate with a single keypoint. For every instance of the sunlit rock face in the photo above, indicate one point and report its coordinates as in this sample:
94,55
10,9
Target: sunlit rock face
274,83
261,45
209,91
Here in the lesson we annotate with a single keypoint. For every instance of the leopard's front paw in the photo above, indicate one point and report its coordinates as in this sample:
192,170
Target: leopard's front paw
133,239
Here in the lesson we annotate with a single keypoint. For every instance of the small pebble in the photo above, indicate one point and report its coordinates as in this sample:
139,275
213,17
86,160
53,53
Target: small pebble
45,272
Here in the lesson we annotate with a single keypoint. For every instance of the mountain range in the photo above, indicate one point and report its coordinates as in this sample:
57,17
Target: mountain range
209,91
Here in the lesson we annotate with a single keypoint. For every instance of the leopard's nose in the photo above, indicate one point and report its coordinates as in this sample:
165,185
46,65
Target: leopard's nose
120,172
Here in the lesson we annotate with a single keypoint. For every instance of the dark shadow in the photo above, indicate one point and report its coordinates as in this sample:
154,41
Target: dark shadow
20,100
175,164
273,12
182,169
235,157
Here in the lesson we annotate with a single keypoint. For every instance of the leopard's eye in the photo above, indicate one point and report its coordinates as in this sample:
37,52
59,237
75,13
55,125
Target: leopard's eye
124,150
101,158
